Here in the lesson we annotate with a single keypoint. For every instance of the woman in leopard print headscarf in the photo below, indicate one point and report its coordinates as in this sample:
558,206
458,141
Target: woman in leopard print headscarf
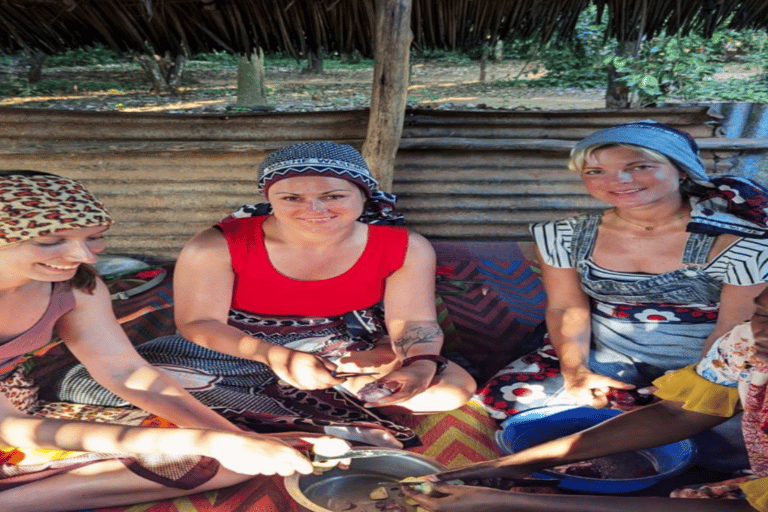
51,228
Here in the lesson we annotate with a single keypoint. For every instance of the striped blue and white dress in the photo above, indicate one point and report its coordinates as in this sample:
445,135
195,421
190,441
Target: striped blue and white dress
643,325
653,322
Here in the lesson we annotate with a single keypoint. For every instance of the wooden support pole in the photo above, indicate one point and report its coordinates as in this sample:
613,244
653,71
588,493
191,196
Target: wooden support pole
390,88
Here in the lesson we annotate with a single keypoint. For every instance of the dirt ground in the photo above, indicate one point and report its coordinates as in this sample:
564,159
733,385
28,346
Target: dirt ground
433,85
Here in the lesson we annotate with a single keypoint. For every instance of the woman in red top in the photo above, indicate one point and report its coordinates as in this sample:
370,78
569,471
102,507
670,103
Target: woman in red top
51,228
278,302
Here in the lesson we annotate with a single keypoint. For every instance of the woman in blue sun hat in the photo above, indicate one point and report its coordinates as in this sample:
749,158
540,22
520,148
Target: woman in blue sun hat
645,286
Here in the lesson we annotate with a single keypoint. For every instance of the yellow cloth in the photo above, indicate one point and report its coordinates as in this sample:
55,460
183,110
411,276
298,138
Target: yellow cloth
697,393
757,493
33,456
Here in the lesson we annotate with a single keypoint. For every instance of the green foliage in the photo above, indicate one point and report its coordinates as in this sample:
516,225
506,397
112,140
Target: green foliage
743,45
575,64
449,58
215,58
754,91
85,56
666,67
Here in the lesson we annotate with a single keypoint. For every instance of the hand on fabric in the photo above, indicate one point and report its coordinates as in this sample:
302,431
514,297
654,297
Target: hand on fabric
630,399
589,388
303,371
255,454
406,383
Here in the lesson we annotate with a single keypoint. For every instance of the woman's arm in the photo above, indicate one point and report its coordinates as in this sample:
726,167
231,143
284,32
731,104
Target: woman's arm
98,341
245,453
737,304
650,426
654,425
569,324
473,499
409,302
203,285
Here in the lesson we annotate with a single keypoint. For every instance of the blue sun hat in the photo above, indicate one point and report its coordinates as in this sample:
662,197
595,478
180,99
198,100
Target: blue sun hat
324,159
725,204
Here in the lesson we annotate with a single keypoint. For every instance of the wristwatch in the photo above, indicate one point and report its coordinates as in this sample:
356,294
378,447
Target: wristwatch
442,362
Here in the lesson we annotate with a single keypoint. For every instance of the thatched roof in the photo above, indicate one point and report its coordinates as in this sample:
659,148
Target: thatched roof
295,26
652,17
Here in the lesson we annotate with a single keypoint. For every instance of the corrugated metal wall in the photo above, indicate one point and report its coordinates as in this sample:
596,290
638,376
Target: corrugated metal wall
487,175
459,174
746,121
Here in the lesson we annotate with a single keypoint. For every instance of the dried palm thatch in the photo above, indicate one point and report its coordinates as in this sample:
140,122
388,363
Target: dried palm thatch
296,26
629,19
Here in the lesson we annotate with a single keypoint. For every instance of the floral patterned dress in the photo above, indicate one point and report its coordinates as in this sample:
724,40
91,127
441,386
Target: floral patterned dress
643,325
730,377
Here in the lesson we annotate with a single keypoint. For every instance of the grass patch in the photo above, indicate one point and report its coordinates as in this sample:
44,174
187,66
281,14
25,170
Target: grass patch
46,87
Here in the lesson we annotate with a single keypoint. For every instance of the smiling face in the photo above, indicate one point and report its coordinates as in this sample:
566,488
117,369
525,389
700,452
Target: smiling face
316,203
627,177
55,257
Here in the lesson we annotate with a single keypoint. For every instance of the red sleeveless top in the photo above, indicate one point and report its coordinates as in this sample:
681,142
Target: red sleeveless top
260,289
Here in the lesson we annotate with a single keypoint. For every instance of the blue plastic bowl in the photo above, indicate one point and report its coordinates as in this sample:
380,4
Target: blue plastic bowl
539,425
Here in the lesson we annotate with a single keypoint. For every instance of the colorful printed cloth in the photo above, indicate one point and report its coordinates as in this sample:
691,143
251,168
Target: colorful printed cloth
730,376
248,393
19,466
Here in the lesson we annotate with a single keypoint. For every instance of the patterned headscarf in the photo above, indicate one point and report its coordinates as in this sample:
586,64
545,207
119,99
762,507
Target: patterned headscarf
324,159
36,204
727,204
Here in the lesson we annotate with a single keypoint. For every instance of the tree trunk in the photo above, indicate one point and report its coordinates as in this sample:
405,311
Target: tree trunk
36,62
390,88
150,65
498,50
176,72
618,95
314,63
251,90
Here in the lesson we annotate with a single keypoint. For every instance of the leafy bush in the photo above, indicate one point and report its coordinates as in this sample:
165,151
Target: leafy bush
666,67
755,91
573,64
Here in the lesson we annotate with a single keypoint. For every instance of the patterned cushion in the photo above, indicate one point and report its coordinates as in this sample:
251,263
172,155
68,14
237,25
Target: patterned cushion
487,305
495,303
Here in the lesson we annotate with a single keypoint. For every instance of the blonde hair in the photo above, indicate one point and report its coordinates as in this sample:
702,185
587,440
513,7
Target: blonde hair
578,159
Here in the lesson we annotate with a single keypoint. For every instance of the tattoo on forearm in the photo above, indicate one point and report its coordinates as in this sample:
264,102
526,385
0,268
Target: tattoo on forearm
418,334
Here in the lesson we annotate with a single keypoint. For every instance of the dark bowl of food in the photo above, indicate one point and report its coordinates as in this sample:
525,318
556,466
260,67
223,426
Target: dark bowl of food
614,474
370,484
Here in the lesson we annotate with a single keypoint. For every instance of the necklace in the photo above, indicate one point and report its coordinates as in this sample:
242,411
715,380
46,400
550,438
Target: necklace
650,228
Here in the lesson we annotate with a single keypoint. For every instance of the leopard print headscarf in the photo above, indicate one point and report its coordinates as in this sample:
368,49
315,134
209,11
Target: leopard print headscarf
34,205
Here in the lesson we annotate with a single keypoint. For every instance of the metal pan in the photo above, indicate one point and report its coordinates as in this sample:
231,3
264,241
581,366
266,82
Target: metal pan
336,489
